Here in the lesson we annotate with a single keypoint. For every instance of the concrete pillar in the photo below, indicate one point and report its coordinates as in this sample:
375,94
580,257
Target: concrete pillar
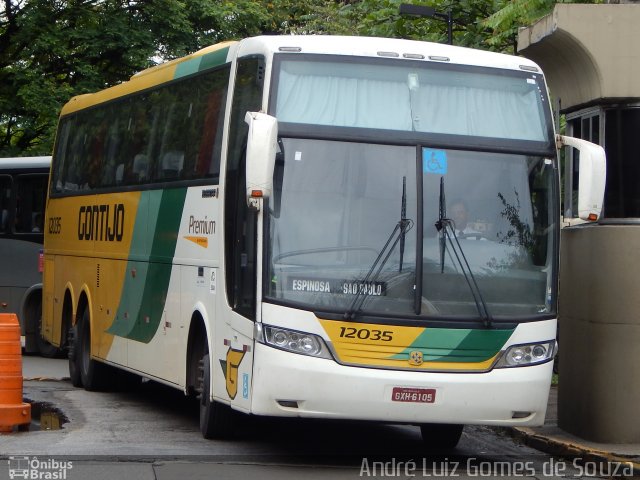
599,319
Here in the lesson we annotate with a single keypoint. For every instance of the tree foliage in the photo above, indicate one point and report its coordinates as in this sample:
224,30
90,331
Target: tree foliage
485,24
51,50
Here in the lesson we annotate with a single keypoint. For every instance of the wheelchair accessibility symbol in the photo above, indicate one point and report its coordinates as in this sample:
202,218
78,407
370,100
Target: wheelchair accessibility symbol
434,161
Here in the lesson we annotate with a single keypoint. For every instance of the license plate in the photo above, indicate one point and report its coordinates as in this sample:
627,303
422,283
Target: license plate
415,395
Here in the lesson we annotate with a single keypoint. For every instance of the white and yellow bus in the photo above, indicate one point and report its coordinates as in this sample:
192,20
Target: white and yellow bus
275,225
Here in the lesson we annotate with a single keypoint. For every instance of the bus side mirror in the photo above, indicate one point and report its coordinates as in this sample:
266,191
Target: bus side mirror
262,145
593,174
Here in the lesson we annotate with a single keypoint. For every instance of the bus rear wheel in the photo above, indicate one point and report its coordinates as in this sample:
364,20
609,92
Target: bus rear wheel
216,419
437,436
92,373
74,363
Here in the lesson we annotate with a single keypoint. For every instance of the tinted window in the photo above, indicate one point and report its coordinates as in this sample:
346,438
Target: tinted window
5,203
240,222
31,194
171,133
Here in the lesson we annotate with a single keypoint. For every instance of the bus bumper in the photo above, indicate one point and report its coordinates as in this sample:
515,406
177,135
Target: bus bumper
292,385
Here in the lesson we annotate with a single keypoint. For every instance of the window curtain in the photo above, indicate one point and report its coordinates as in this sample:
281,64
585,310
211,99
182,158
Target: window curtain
488,106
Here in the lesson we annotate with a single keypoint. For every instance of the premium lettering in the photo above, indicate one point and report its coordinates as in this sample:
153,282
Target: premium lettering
102,223
201,227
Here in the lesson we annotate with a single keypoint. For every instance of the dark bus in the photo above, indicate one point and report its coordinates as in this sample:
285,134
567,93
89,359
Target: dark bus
23,192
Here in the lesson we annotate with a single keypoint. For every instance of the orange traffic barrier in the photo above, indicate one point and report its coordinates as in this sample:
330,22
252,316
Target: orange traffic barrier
13,411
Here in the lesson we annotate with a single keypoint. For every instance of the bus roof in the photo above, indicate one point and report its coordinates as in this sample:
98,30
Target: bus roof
15,163
376,47
383,47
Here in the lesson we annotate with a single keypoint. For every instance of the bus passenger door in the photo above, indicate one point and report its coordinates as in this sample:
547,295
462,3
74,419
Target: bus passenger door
234,344
236,341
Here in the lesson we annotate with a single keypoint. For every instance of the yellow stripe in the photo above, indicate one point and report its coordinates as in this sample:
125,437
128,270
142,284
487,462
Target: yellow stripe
401,336
357,358
134,85
368,344
146,79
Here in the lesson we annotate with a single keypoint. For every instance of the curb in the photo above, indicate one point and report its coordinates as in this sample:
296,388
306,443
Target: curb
567,448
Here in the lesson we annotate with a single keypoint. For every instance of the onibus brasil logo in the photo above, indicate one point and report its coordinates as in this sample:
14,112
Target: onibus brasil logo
36,469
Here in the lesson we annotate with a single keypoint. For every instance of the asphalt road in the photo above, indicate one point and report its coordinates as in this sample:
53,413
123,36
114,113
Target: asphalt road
152,433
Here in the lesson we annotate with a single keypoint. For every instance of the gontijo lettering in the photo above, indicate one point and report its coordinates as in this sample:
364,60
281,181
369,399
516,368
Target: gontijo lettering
101,222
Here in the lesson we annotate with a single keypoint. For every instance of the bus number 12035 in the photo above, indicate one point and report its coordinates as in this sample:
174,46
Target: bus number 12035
366,334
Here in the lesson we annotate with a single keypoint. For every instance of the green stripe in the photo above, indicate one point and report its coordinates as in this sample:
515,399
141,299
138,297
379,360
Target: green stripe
210,60
188,67
457,345
214,59
144,295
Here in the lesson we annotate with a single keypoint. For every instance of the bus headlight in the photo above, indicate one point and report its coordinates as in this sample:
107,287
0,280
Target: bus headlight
525,355
292,341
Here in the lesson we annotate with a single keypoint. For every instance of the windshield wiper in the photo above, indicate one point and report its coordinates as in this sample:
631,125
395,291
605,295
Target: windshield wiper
403,219
447,230
398,235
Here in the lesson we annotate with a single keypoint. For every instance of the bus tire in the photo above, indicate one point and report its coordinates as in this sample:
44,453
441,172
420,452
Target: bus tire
437,436
216,419
92,372
74,363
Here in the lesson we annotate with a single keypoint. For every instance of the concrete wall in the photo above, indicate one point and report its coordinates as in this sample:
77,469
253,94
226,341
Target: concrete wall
599,318
588,52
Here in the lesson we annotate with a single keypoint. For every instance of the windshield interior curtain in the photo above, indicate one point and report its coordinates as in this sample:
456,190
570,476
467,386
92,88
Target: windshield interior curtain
503,107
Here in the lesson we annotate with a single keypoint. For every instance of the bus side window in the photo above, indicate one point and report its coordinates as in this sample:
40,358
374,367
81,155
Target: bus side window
134,156
31,191
119,175
61,155
37,223
140,169
66,174
5,200
172,163
204,133
114,147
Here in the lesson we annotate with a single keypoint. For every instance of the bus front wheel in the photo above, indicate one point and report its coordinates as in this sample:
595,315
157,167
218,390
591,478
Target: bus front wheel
216,419
436,436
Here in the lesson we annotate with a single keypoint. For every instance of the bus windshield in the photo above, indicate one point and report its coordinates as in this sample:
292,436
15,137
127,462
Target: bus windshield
375,153
412,96
338,204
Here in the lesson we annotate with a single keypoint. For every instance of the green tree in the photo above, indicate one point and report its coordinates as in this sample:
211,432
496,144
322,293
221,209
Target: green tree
512,14
486,24
51,50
